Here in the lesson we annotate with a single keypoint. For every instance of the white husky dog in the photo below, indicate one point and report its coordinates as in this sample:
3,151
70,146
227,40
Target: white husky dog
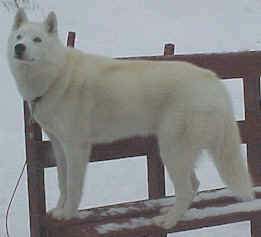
81,99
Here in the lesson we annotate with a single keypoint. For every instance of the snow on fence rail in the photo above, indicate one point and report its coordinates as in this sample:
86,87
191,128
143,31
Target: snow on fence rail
209,208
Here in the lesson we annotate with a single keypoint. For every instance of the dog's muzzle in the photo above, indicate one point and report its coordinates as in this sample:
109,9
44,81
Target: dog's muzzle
19,50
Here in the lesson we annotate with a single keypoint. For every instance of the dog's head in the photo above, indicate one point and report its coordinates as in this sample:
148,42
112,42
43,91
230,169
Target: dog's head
35,53
28,41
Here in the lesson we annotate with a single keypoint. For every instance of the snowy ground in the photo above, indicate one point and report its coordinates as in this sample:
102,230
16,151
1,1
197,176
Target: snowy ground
121,28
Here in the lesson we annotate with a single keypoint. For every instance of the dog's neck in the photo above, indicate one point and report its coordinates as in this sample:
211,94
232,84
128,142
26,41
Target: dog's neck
51,87
37,99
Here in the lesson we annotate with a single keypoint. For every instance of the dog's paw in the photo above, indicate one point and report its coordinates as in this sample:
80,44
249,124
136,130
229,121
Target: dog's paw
166,220
247,198
63,214
56,213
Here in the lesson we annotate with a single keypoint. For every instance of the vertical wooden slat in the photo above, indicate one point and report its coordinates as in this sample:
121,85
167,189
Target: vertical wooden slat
169,49
252,109
256,226
35,176
156,177
71,39
156,174
254,162
252,93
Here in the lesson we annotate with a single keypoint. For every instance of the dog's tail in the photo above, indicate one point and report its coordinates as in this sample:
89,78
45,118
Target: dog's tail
229,160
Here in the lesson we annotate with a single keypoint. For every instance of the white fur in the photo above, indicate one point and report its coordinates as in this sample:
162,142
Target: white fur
84,99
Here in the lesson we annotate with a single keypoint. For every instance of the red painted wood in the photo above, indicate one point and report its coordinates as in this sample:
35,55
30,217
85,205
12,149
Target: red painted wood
169,49
71,39
35,176
226,65
256,226
104,215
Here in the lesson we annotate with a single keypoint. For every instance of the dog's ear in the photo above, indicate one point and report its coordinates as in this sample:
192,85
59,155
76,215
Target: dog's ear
51,23
20,18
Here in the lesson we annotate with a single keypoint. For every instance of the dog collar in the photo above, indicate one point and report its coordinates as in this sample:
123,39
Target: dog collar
36,99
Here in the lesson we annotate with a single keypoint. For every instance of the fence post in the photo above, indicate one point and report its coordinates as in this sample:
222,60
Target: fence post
156,177
156,174
35,175
169,49
71,39
252,110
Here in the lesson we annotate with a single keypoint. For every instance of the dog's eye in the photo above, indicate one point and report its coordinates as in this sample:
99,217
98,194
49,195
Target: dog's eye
18,37
37,40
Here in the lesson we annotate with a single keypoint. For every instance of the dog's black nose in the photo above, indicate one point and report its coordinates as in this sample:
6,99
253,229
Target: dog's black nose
19,49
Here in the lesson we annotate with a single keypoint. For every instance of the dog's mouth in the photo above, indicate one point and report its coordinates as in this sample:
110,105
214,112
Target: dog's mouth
24,60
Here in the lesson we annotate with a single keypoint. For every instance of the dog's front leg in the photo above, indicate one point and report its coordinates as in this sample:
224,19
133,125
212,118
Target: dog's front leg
77,158
61,172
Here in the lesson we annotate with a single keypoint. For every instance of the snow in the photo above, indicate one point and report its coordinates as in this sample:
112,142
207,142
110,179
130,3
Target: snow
132,224
216,211
191,214
203,196
117,211
124,28
163,202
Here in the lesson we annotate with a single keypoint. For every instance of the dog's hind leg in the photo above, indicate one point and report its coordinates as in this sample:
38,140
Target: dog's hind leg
180,168
179,157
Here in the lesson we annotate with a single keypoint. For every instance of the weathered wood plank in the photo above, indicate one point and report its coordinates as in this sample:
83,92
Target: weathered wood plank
226,65
132,147
35,176
210,208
